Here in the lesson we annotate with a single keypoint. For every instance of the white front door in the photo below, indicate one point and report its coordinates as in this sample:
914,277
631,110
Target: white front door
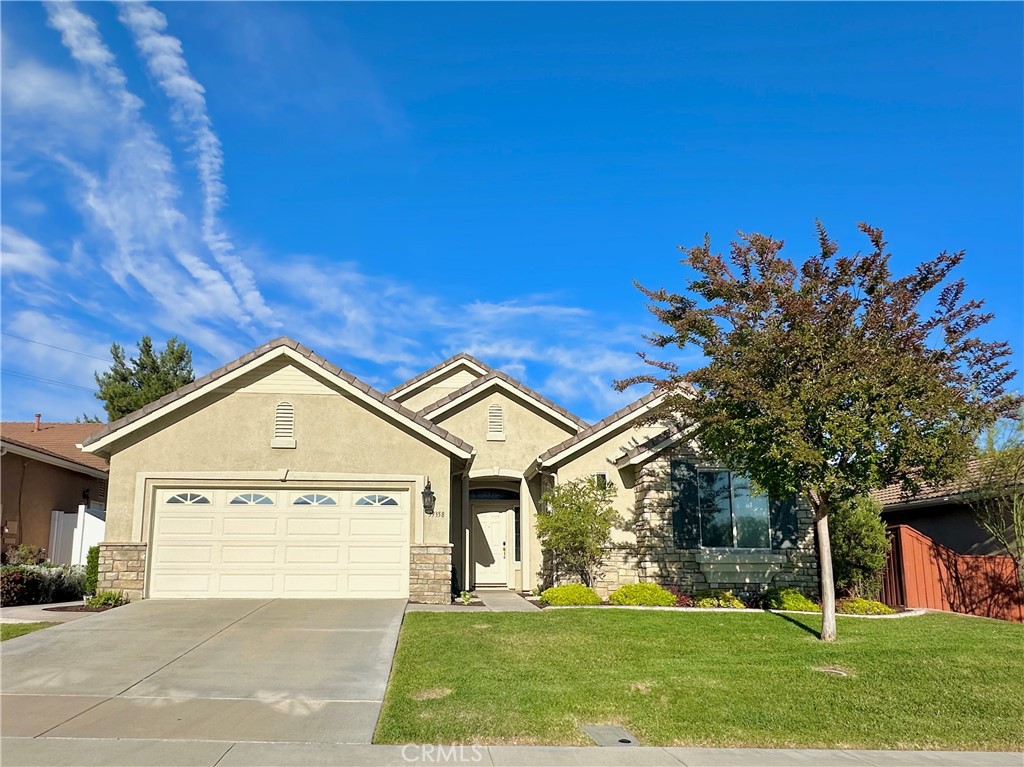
490,547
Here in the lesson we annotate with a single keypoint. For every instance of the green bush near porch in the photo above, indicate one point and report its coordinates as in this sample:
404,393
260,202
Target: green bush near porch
642,595
570,595
751,679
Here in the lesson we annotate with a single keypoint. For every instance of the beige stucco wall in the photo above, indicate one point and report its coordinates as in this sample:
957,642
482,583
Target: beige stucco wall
42,488
598,458
528,431
232,433
450,381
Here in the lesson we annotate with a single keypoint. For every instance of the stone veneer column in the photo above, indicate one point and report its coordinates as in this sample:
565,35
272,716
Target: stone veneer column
122,568
430,573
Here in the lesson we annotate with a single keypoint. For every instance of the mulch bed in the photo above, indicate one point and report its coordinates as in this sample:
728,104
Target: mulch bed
77,609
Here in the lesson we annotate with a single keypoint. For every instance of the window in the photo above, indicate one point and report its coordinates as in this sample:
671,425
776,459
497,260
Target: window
314,499
495,423
251,499
601,478
284,426
189,498
376,500
517,535
716,508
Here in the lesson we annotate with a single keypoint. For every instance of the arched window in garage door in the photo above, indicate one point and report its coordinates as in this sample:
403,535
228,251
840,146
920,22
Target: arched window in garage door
190,498
314,499
376,500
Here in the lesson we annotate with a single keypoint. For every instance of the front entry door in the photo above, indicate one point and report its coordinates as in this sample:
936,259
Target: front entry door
490,547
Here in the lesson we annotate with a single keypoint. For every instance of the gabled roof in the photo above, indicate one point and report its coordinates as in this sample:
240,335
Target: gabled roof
55,441
591,434
429,375
298,353
510,384
929,492
651,446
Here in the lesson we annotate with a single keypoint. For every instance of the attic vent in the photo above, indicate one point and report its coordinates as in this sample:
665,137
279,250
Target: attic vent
284,426
495,423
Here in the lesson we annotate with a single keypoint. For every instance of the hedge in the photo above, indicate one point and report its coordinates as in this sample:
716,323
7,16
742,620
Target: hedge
40,584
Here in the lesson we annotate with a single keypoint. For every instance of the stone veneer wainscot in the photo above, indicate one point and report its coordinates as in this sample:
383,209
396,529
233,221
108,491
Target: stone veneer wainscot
122,567
430,577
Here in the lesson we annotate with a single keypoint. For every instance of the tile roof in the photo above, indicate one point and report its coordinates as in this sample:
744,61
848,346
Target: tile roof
642,447
440,366
616,417
894,495
59,440
258,352
498,375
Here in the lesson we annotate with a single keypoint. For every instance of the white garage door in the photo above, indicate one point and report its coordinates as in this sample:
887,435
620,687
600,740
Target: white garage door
276,543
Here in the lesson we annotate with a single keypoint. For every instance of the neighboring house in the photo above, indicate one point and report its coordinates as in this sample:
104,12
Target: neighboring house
282,475
43,471
940,512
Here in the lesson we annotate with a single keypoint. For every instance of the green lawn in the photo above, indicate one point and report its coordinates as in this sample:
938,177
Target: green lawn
11,630
706,679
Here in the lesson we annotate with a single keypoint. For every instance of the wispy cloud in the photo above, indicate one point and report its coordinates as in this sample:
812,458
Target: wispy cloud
166,63
23,255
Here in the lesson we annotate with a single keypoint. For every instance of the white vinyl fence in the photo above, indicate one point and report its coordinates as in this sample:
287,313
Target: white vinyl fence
73,533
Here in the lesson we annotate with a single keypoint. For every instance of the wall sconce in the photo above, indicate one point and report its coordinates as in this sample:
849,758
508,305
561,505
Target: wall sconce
428,499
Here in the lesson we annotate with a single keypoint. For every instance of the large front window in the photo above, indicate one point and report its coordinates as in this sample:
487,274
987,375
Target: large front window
716,508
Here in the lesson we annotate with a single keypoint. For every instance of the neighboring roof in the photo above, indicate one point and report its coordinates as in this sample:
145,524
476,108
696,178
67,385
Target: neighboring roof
929,492
57,440
630,412
427,375
297,351
497,377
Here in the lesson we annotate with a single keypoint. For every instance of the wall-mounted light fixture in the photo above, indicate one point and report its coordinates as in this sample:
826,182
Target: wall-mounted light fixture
428,499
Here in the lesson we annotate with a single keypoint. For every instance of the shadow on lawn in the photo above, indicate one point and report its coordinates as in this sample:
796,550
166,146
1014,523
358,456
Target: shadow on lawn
796,622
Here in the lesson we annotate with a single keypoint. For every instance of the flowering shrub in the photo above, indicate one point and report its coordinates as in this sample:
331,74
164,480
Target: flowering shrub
40,584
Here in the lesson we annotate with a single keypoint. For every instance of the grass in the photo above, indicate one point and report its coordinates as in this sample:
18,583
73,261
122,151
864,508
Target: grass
706,679
11,630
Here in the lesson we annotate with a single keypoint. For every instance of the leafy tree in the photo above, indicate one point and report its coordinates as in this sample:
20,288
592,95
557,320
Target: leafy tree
996,493
86,418
823,379
859,547
574,525
134,382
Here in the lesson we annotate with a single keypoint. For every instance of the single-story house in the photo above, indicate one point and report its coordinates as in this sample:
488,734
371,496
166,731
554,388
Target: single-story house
43,471
282,475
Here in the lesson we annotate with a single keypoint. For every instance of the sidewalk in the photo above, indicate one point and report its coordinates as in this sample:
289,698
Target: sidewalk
36,613
94,752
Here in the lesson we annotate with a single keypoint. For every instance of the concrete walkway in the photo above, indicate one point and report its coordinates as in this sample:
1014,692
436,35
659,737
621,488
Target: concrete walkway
39,613
92,752
505,601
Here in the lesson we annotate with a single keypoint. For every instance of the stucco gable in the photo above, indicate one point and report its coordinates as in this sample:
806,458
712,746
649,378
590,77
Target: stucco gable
451,374
516,389
246,371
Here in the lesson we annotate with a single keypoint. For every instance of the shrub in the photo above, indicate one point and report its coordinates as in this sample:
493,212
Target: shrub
644,595
574,525
40,584
24,555
857,606
682,598
859,547
92,570
107,599
717,598
777,598
570,594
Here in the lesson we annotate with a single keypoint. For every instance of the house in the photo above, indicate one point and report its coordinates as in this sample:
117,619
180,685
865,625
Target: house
282,475
44,471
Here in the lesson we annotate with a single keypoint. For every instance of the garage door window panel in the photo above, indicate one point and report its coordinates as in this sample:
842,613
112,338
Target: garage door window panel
314,499
191,499
252,499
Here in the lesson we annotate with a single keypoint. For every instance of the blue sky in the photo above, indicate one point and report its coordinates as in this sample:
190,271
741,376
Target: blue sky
391,184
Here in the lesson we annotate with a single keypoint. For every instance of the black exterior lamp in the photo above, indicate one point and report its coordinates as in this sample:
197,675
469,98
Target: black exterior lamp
428,499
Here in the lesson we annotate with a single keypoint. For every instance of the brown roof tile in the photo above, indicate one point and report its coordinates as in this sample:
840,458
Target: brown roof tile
604,423
60,440
499,375
248,357
894,495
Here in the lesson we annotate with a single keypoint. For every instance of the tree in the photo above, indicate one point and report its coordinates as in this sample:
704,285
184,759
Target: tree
823,379
130,384
574,525
996,494
859,547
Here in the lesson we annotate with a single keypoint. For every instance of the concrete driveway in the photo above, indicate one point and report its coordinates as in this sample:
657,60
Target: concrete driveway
310,671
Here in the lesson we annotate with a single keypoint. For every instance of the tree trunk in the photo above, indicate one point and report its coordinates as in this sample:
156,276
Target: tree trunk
828,587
